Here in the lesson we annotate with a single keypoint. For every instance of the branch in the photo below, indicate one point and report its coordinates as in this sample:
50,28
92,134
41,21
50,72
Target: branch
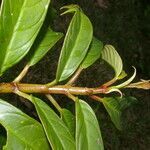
59,89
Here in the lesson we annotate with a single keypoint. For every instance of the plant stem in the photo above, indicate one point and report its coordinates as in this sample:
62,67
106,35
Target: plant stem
109,82
75,76
22,74
54,82
59,89
54,102
24,95
97,98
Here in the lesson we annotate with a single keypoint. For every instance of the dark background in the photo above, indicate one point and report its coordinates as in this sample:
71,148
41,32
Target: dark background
124,24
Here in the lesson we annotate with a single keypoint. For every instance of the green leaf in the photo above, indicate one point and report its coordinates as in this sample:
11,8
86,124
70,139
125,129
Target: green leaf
113,108
88,135
127,82
110,55
45,41
23,132
75,46
126,102
93,54
69,119
20,22
122,75
57,133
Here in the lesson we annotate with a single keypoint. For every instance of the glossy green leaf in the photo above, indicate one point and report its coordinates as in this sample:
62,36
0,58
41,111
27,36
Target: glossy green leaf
23,132
20,22
69,119
57,133
44,42
75,46
88,135
113,108
111,56
93,54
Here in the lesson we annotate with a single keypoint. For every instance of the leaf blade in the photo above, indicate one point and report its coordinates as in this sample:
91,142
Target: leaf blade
93,54
112,106
111,56
57,133
18,125
69,119
45,41
15,24
88,135
75,46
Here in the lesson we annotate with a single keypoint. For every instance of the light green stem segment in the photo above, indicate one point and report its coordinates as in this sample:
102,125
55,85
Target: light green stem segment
54,102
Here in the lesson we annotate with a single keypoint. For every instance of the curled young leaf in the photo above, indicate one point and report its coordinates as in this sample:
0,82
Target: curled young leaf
126,82
143,84
75,46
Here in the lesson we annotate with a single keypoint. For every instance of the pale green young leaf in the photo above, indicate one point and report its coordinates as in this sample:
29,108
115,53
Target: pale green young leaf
113,108
122,75
56,131
75,46
23,132
111,56
20,22
127,82
88,135
44,42
93,54
69,119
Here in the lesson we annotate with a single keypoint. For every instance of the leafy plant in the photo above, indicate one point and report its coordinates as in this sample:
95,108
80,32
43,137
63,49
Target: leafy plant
22,31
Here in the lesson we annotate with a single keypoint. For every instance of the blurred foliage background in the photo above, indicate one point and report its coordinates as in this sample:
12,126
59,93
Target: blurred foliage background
124,24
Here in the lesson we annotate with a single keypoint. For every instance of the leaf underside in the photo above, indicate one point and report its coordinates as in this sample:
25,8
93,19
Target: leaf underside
111,56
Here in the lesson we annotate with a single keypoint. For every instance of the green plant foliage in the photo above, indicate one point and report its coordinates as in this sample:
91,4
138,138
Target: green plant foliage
125,102
110,55
44,42
75,46
93,54
17,31
122,75
113,108
23,132
20,31
57,133
69,119
88,135
127,81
